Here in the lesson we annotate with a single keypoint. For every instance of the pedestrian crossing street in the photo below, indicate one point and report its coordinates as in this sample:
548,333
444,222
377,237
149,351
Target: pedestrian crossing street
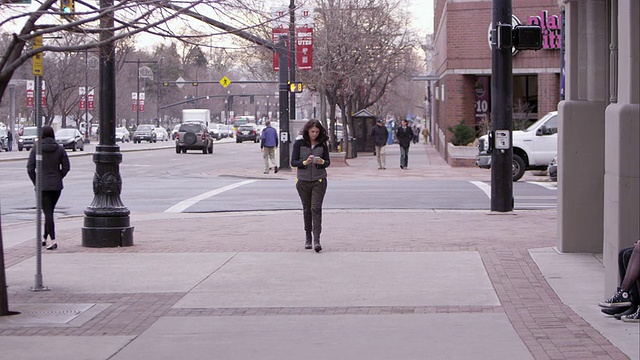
527,196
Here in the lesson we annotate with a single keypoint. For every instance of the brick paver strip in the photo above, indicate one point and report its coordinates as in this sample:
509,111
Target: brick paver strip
549,328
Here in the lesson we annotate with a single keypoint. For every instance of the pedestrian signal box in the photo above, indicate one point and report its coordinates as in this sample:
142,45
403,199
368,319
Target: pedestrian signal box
295,87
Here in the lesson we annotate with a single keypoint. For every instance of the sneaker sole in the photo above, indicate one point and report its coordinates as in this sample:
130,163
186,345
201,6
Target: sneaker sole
630,320
615,305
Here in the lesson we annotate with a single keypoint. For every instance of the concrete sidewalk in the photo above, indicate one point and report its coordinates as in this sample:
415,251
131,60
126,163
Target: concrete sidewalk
389,284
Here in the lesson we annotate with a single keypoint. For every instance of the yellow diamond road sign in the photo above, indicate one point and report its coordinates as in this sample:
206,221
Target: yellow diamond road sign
225,81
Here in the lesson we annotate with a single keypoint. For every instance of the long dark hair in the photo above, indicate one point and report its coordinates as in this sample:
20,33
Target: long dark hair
322,136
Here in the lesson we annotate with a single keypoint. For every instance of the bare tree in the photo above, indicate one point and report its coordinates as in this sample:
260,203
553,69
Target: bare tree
154,17
361,47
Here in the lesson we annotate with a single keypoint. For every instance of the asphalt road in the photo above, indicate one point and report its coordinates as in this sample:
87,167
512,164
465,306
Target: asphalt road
156,179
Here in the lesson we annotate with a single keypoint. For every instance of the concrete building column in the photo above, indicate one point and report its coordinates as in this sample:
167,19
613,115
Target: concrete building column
622,145
581,128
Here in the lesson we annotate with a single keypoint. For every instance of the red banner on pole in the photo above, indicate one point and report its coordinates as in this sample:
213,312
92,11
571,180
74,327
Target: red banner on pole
30,99
141,102
90,102
134,101
43,100
304,48
30,93
275,37
82,103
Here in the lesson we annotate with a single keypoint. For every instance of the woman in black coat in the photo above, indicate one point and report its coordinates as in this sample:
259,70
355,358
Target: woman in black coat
55,166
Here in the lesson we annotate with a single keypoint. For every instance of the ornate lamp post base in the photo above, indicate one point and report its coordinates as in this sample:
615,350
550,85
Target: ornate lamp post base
106,221
99,232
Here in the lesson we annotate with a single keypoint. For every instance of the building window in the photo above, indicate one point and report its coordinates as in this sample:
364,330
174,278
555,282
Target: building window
525,100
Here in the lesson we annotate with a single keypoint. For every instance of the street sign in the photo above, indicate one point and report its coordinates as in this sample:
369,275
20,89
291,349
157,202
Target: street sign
502,140
225,81
180,82
37,58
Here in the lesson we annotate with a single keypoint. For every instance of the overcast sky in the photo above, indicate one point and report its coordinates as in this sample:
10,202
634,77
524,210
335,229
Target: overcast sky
423,13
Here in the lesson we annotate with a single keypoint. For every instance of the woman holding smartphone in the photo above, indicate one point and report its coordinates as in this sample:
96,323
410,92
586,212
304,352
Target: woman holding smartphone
311,157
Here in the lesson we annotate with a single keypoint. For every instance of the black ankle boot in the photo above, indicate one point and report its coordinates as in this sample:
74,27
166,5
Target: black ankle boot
307,243
316,245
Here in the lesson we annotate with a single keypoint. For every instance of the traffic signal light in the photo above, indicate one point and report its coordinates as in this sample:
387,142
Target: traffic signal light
67,7
295,87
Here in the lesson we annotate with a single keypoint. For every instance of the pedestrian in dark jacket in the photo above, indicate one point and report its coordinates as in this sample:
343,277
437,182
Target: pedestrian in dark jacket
310,156
55,166
380,134
10,140
268,145
404,134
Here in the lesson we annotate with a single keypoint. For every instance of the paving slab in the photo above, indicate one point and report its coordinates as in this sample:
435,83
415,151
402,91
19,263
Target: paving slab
345,279
61,347
572,276
349,337
117,273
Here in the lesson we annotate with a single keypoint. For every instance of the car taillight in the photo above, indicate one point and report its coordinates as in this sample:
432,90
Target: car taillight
177,136
204,136
253,132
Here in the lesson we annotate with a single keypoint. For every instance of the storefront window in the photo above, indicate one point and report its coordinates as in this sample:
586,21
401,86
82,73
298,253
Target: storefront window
525,100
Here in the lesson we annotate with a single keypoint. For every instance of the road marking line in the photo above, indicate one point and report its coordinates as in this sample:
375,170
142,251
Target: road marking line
483,186
183,205
546,185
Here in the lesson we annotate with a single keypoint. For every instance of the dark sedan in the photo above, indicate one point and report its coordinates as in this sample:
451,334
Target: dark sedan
70,139
247,132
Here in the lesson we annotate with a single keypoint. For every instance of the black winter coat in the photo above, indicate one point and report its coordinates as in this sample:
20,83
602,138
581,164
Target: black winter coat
380,135
55,165
405,136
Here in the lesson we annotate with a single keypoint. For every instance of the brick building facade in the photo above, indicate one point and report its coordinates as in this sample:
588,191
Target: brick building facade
462,65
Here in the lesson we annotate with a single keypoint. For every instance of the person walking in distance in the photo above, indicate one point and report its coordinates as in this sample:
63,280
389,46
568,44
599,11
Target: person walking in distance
268,145
55,166
405,136
379,133
310,156
10,140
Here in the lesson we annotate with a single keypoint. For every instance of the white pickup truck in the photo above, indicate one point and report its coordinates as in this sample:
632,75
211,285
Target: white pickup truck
533,148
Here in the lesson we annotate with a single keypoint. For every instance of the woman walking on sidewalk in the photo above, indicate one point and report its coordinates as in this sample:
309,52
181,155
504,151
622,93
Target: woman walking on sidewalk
55,166
310,156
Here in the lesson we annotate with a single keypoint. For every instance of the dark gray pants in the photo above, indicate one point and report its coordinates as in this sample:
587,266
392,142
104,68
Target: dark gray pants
312,194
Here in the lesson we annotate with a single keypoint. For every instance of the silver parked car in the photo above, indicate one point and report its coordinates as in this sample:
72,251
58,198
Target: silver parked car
144,132
193,136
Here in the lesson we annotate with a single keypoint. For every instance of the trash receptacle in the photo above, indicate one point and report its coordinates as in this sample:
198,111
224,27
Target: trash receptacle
353,151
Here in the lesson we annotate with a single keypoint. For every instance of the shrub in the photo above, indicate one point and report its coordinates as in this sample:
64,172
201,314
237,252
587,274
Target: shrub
463,134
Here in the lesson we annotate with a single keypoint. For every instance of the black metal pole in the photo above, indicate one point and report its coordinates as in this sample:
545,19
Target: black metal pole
292,57
501,112
283,90
106,221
